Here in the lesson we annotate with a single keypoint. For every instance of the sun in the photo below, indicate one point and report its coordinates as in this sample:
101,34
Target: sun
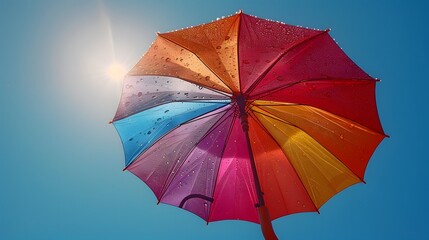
116,71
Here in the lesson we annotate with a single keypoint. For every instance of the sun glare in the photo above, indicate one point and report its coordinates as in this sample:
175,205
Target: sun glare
116,71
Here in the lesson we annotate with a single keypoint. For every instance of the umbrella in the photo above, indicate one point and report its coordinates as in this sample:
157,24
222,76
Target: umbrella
248,119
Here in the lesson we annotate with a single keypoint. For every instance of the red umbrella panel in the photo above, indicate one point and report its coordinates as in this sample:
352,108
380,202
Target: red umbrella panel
242,113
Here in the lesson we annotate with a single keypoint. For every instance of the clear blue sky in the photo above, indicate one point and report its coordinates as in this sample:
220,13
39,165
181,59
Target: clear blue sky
60,162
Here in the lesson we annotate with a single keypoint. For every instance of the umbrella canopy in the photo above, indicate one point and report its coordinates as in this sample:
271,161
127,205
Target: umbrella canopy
242,113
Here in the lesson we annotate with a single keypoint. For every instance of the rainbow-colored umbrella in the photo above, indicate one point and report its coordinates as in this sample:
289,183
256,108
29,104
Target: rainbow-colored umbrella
248,119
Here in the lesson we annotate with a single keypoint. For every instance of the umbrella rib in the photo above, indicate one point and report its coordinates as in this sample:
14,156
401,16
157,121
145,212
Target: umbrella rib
166,183
175,101
204,101
213,47
220,162
272,169
173,175
238,51
278,145
259,79
296,126
206,115
198,59
336,115
271,91
187,80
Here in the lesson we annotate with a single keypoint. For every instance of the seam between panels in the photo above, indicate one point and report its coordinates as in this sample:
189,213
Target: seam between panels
213,48
271,91
293,168
271,167
208,115
138,155
252,40
186,80
364,128
238,69
211,70
167,182
219,101
220,162
293,125
240,19
337,115
266,71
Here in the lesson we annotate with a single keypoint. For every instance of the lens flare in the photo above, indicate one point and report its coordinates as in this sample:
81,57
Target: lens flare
116,71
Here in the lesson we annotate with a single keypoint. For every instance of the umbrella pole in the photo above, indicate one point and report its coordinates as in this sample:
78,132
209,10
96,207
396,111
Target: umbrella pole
264,216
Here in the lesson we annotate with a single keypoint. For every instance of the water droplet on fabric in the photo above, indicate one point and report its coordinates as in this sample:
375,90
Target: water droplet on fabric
149,132
130,139
199,87
207,78
140,94
166,111
227,37
218,47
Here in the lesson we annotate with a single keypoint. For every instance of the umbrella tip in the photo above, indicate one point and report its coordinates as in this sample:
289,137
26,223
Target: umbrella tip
111,121
328,30
378,79
240,11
